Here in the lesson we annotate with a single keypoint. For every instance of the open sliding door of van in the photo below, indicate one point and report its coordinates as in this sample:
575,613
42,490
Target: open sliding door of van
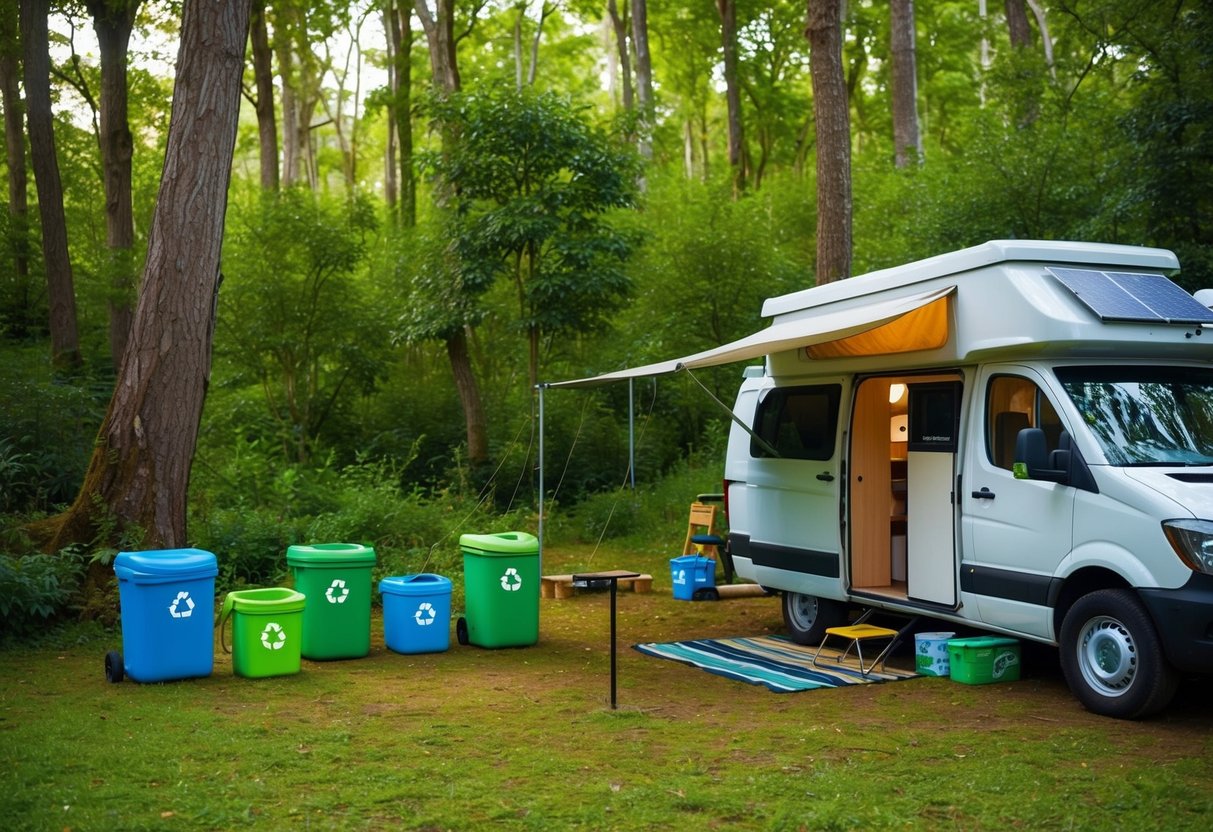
901,475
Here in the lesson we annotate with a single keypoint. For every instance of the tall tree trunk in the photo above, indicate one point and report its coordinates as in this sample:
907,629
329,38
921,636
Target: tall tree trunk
65,339
140,468
263,78
401,33
732,83
113,21
14,145
907,142
644,76
824,31
475,421
1017,23
545,11
619,24
439,33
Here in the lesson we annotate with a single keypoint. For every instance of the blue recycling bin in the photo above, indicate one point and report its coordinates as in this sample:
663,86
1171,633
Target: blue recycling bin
691,573
167,599
416,613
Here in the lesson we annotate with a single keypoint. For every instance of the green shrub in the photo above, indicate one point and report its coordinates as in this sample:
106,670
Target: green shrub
36,589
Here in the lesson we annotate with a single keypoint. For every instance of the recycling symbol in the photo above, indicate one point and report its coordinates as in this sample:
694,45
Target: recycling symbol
511,581
337,593
178,610
425,614
681,577
272,637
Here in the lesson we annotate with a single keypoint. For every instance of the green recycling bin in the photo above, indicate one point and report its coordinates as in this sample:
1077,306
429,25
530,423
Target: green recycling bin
267,631
336,578
501,590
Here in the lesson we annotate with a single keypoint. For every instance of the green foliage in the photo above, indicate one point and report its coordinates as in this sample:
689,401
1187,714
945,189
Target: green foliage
531,184
294,317
47,431
35,589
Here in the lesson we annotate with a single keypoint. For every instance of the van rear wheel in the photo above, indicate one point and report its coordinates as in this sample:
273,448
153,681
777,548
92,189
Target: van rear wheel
806,617
1112,657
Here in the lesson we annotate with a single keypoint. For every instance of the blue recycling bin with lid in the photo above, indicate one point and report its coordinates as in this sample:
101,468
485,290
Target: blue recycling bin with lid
167,601
416,613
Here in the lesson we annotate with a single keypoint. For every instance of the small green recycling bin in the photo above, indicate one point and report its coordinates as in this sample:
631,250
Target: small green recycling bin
267,631
336,578
501,590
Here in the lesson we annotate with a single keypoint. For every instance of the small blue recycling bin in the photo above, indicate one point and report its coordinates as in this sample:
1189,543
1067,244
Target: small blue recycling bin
167,598
416,613
691,573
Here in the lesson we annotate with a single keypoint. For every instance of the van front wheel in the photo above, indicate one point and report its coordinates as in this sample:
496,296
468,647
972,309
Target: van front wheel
806,617
1112,657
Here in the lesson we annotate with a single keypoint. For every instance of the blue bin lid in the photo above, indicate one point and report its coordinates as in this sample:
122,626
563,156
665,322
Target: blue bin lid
159,565
423,583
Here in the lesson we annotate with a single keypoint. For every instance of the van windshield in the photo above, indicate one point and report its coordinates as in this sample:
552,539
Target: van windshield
1146,415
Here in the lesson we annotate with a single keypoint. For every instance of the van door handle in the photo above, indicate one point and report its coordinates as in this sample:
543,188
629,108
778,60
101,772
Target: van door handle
825,476
983,494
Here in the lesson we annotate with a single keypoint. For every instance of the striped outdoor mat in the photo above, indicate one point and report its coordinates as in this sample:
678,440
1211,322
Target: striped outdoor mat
774,661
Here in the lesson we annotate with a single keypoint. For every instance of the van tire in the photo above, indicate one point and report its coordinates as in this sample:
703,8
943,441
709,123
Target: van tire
806,617
1112,657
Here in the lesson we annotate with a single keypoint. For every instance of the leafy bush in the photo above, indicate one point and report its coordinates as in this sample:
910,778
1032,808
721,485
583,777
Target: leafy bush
35,589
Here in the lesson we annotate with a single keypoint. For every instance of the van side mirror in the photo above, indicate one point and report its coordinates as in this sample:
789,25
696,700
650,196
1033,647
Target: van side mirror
1034,462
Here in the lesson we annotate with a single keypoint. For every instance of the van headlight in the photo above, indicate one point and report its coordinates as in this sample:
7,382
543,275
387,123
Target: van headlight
1193,542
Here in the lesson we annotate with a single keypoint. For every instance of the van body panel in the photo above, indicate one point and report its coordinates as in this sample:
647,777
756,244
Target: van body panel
986,532
1191,491
1184,618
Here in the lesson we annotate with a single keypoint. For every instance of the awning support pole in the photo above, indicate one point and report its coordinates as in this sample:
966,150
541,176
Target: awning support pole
632,432
766,446
540,388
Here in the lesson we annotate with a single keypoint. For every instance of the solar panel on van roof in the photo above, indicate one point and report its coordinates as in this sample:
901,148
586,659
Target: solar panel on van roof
1126,296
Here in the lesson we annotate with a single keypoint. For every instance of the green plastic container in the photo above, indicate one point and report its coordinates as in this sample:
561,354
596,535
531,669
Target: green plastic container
982,660
336,578
267,631
501,590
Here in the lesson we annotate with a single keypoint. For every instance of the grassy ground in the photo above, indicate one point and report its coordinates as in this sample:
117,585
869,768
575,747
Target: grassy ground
525,739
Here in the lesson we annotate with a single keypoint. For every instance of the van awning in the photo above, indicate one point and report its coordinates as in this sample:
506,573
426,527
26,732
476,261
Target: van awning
806,329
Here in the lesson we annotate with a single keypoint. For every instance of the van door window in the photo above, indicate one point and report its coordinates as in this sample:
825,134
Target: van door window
1012,404
799,422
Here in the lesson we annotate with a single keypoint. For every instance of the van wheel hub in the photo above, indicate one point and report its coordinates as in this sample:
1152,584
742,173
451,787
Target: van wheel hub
1107,656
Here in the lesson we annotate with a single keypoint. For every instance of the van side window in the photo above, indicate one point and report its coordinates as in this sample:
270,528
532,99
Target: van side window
1012,404
799,422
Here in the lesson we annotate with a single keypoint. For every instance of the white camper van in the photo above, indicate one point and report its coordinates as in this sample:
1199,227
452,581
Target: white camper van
1017,436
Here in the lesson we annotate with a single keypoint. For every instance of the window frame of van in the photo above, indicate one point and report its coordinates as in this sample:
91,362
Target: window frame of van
1039,416
771,429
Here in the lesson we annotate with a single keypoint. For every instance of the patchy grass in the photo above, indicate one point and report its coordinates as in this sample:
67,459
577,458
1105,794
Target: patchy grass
525,739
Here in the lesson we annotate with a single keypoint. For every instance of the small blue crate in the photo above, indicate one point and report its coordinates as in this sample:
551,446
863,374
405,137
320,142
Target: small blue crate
691,573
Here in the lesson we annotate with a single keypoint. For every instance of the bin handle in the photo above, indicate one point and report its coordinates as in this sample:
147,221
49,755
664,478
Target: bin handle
228,603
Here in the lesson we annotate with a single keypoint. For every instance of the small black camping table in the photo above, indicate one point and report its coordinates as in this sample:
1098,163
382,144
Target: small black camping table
613,576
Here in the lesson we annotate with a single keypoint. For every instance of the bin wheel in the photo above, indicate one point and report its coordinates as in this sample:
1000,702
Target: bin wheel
706,594
461,630
113,666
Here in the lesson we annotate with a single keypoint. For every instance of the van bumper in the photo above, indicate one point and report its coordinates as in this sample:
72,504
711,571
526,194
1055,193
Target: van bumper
1184,619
